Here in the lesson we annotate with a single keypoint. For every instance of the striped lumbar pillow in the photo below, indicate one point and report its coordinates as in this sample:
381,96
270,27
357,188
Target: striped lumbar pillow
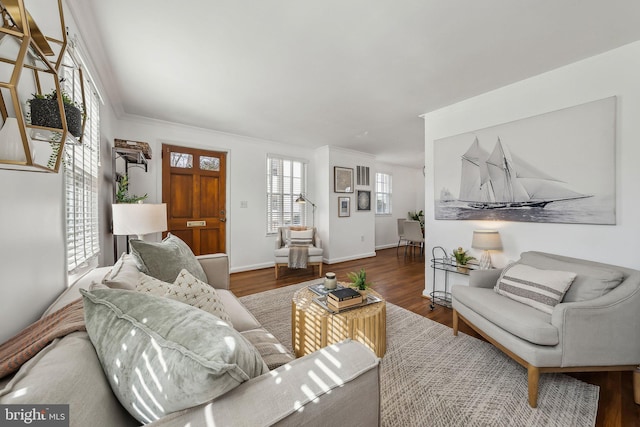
301,238
541,289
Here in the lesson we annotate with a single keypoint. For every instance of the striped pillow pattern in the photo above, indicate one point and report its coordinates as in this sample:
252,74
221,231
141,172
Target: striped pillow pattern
301,238
540,289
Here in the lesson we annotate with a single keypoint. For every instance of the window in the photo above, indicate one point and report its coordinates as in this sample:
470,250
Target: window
286,180
383,194
81,172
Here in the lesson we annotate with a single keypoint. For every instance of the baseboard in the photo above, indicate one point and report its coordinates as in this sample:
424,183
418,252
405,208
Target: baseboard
349,258
251,267
389,246
324,260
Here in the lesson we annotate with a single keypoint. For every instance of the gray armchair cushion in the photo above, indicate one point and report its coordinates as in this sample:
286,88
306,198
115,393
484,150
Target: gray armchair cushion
284,252
592,281
520,320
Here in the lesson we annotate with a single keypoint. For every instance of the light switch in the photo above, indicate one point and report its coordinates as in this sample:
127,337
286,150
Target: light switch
244,204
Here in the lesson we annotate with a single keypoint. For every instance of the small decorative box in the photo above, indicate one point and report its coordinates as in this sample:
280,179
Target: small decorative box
135,145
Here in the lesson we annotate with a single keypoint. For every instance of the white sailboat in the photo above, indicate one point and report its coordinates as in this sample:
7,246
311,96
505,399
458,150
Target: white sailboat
499,180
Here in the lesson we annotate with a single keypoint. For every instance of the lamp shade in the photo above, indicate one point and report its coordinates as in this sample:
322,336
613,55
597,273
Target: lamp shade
486,240
139,218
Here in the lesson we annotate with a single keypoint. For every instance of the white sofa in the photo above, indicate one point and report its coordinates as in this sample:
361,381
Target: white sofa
298,393
594,328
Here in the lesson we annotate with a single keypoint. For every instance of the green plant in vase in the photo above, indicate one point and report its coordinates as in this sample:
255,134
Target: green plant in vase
44,111
462,258
359,281
122,193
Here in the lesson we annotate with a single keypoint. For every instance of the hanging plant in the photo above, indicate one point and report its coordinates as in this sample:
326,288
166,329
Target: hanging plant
45,112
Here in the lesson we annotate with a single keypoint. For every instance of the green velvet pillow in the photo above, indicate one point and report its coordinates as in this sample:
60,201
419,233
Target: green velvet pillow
164,260
161,355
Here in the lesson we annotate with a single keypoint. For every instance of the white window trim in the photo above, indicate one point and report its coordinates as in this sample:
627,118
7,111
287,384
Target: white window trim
292,193
389,194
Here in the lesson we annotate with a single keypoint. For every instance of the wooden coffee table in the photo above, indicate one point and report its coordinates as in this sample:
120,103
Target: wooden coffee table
313,327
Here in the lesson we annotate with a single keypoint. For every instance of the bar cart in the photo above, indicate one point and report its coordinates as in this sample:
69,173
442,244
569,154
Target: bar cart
441,261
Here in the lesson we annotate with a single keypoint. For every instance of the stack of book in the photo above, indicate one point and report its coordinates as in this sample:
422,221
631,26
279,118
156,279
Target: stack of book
343,298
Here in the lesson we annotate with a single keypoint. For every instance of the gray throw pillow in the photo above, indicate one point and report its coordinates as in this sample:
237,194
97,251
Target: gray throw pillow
164,260
162,356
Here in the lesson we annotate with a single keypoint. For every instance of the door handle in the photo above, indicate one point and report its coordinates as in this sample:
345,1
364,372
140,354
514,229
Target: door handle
223,219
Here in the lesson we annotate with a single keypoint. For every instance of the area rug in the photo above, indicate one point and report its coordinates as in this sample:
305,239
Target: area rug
431,378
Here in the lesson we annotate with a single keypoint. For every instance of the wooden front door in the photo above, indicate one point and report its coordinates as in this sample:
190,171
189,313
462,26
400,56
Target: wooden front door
194,189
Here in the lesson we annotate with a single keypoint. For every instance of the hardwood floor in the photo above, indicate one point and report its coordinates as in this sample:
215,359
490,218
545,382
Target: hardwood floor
400,280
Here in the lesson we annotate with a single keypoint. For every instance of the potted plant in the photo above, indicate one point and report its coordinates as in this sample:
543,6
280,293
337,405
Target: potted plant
46,112
359,281
122,193
462,259
417,216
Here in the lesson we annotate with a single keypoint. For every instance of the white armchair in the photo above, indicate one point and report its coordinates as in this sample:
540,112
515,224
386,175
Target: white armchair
306,237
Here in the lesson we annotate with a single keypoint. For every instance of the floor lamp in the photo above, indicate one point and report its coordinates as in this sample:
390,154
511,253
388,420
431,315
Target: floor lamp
138,219
303,199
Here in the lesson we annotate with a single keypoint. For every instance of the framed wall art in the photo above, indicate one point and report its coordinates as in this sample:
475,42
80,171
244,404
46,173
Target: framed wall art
342,180
555,167
364,200
344,206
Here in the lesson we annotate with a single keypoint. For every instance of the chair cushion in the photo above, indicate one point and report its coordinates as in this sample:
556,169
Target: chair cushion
541,289
284,252
518,319
592,281
161,356
164,260
68,371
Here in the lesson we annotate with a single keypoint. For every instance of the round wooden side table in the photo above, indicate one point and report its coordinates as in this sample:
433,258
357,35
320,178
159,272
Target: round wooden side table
313,327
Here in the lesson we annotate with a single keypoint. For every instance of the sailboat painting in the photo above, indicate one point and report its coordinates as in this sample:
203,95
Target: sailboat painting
556,167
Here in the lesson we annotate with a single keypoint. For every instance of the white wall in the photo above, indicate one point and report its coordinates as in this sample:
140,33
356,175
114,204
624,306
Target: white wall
32,252
33,264
612,73
248,245
407,195
351,237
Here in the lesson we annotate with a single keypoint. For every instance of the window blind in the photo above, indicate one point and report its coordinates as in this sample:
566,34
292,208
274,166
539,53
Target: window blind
81,163
383,194
286,180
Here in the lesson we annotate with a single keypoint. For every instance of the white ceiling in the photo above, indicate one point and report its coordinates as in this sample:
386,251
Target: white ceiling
350,73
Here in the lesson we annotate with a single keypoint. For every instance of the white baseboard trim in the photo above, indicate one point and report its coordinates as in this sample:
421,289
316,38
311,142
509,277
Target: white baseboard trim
324,260
349,258
251,267
389,246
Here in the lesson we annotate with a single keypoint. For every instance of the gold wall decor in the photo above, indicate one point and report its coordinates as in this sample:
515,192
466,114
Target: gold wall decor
29,65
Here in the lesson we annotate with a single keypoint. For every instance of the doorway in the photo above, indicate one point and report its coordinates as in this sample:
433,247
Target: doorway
194,186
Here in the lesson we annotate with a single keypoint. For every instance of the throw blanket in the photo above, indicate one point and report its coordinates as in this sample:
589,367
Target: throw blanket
35,337
298,256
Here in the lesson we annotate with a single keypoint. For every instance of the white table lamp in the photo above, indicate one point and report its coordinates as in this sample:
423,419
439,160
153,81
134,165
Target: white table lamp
486,240
139,219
